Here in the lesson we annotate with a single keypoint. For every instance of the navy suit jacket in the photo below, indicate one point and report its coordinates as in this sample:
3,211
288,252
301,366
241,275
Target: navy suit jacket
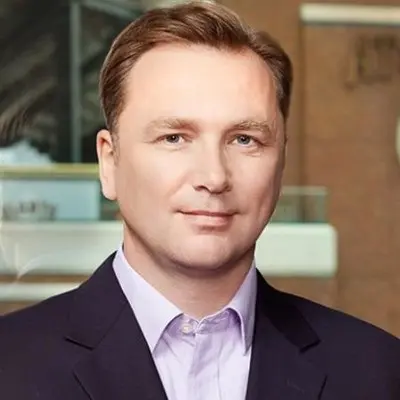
87,344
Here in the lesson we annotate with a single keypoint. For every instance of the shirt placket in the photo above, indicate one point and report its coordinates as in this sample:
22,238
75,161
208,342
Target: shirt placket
204,371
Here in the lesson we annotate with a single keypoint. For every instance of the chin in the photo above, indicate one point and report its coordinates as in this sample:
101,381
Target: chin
207,257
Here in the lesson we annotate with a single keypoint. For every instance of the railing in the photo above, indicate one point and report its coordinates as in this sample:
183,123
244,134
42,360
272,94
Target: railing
65,185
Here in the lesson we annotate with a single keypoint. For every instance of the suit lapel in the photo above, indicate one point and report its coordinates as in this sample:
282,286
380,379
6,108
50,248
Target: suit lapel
119,364
278,368
121,367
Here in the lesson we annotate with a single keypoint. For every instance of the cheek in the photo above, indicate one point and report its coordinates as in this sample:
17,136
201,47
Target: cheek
148,180
260,190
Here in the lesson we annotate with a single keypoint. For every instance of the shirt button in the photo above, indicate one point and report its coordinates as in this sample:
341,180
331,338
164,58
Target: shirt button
187,328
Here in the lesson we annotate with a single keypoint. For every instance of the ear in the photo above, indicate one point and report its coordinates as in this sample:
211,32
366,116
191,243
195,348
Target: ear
106,155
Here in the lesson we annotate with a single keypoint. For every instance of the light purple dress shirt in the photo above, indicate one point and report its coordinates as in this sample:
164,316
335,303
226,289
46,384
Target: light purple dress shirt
205,359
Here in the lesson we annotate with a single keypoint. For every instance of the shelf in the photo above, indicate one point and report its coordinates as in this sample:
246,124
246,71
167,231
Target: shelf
50,172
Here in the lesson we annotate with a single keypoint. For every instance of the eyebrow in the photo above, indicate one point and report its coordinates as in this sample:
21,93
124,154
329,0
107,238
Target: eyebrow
171,123
175,123
263,126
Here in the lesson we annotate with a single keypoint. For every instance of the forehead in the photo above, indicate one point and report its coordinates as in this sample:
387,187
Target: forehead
192,81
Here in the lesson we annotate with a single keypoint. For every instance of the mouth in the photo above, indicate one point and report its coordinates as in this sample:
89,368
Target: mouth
206,220
206,213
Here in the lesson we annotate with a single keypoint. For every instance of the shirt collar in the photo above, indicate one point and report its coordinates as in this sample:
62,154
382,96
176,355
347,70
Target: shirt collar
244,304
141,294
142,297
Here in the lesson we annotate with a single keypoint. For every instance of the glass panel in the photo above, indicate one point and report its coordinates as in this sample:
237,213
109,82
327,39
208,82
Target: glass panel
56,228
71,192
51,55
301,204
100,22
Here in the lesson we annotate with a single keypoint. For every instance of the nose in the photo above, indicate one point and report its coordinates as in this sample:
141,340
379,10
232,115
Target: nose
212,172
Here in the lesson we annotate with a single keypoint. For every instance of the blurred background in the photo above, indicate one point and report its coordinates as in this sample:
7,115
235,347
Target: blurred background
335,236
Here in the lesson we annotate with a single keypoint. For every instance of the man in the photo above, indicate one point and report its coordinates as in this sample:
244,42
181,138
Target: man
196,105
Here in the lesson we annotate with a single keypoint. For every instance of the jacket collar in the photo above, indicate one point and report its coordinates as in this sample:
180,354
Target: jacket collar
119,362
278,367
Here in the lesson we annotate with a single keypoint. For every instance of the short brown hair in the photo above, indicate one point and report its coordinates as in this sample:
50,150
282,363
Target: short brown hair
198,23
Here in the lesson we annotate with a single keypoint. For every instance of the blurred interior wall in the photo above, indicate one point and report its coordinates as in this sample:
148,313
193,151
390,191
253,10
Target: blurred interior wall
342,136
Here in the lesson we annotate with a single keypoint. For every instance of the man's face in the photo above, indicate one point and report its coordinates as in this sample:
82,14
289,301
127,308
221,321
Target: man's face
200,155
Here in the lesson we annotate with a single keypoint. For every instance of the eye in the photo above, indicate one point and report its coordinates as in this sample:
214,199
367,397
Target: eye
173,139
244,140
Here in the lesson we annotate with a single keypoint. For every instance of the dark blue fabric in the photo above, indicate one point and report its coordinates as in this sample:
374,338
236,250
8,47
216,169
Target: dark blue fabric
87,344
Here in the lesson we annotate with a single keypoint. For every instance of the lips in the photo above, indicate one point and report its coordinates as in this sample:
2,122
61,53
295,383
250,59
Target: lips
206,213
209,221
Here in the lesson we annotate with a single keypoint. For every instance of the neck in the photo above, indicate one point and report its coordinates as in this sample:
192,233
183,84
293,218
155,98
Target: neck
195,294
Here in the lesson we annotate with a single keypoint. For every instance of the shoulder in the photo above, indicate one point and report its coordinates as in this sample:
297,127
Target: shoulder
52,315
35,333
358,356
39,320
334,325
35,356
